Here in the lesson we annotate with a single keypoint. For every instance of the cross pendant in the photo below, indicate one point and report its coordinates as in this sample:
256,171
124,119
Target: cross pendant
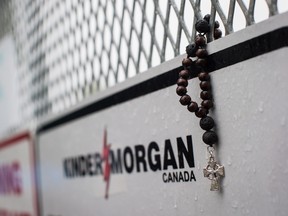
213,172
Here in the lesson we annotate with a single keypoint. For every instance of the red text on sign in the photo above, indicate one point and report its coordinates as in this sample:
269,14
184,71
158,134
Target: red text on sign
10,179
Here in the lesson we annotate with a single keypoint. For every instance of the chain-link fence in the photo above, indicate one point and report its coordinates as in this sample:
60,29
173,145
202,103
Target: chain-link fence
5,19
68,50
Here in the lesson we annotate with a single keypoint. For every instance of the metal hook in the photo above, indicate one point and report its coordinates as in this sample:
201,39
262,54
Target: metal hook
211,150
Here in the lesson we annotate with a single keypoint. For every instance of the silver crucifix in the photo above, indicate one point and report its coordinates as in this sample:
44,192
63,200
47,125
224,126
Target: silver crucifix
213,172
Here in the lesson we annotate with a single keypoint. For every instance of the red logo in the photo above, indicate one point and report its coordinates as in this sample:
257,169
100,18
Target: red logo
105,158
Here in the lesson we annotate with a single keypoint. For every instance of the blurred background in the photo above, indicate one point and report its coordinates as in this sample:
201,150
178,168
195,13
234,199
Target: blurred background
55,53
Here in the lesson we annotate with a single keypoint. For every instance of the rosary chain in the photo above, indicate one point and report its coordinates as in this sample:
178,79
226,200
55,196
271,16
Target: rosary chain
198,49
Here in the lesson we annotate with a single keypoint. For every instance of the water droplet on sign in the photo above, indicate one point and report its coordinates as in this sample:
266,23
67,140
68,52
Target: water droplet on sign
198,165
283,121
235,205
260,108
229,161
177,118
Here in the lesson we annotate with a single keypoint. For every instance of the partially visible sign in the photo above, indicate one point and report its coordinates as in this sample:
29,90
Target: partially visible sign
17,177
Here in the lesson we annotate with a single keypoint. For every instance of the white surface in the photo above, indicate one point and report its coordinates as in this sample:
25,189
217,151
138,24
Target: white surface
20,152
251,114
252,123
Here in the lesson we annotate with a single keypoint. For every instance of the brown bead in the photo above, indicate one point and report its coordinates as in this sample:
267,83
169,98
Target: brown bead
201,62
182,82
181,90
185,100
201,53
186,62
184,74
216,24
200,40
193,107
201,112
191,50
207,17
207,104
205,85
204,76
217,34
206,95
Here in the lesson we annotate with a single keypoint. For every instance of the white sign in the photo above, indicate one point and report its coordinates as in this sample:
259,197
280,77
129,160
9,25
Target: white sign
17,177
135,153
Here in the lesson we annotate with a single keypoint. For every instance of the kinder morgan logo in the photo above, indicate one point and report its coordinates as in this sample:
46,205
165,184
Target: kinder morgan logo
135,159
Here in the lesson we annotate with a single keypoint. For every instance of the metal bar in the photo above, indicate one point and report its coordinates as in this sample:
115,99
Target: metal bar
272,5
230,17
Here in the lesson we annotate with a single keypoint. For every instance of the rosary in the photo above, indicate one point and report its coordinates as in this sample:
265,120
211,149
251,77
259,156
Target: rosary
213,171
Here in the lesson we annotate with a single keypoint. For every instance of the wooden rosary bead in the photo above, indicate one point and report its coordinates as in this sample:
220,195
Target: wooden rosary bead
184,74
205,85
200,40
201,53
208,104
202,26
204,76
185,100
207,17
191,50
210,138
187,62
205,95
182,82
181,90
201,112
217,34
216,25
201,62
193,107
207,123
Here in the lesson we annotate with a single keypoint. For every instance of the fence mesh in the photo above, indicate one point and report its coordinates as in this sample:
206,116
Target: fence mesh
68,50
